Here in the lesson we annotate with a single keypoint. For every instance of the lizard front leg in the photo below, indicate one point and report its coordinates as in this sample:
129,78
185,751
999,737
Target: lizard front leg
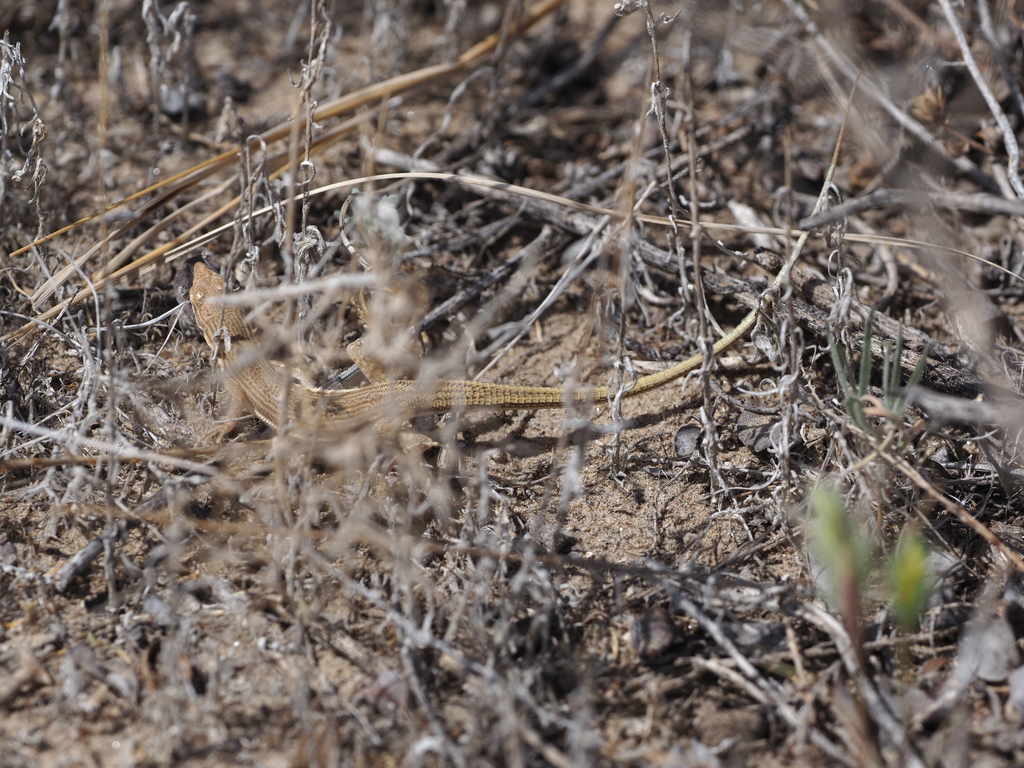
238,406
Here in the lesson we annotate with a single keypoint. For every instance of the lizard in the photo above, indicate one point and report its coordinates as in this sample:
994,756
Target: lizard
258,383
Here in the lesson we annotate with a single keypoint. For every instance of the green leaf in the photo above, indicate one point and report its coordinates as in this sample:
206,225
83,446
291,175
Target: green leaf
842,550
909,579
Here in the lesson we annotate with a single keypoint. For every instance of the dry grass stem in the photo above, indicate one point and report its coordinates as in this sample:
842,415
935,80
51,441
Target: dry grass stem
511,384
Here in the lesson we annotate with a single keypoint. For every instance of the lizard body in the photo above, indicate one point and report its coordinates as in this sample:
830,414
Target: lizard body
255,381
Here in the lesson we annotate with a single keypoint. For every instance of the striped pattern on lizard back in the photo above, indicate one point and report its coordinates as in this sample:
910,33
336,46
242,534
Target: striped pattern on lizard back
255,381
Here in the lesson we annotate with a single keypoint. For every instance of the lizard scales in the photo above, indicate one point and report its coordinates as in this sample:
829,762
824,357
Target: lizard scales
260,383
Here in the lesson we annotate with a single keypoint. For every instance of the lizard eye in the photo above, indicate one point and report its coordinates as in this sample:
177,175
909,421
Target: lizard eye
199,296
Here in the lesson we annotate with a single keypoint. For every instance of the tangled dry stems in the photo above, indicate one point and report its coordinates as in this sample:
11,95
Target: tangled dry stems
573,589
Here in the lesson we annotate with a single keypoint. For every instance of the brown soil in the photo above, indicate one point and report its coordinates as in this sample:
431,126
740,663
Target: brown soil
511,588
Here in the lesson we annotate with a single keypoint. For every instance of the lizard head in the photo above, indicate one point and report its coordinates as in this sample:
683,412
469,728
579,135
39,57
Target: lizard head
206,285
